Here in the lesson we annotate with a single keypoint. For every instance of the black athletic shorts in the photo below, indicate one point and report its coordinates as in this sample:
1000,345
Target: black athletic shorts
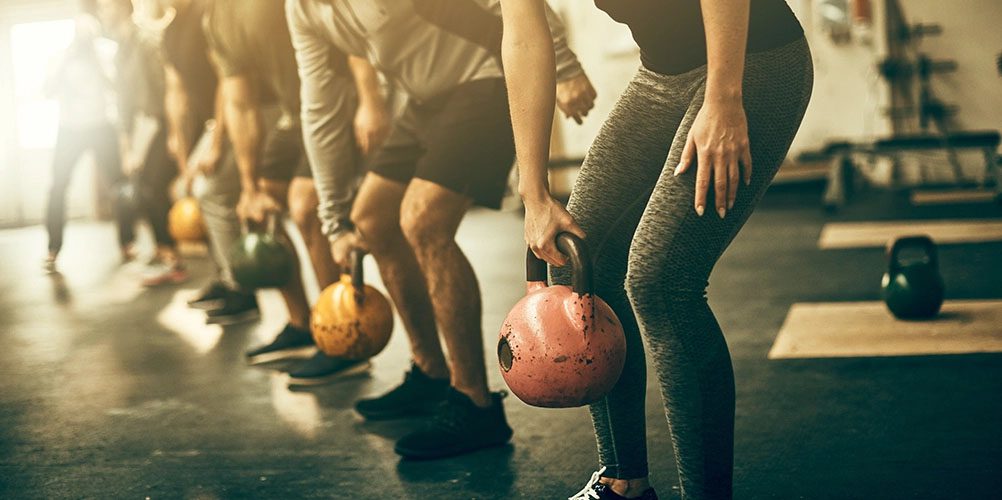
461,140
284,155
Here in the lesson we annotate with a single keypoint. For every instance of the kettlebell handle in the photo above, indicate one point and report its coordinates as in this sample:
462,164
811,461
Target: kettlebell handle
575,250
358,269
899,244
271,224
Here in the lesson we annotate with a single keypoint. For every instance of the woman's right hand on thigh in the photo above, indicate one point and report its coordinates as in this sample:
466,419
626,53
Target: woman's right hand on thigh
545,218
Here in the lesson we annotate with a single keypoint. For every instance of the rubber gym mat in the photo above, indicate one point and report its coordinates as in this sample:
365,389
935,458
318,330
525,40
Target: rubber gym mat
867,329
877,234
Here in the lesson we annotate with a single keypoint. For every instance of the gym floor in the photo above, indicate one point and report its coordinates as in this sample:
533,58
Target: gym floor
108,388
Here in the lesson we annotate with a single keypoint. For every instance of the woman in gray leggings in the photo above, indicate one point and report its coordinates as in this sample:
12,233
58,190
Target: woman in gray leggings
674,173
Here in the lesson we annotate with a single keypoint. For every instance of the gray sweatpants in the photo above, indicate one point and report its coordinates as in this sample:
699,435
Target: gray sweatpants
218,203
653,257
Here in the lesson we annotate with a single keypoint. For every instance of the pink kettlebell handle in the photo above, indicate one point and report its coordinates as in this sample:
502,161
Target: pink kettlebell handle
536,271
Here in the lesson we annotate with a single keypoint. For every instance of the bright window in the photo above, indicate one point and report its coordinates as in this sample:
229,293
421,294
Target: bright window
35,46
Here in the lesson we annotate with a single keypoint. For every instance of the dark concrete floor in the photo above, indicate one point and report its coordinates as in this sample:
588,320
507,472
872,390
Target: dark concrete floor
99,399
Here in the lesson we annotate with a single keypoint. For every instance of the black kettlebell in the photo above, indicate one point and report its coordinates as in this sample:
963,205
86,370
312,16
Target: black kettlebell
913,289
261,259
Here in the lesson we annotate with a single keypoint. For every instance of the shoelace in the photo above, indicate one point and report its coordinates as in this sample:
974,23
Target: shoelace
588,492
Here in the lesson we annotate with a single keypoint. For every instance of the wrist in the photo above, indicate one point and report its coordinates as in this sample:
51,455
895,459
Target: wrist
723,94
534,194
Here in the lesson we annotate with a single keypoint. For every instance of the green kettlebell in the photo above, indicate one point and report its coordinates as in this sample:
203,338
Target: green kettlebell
913,289
261,259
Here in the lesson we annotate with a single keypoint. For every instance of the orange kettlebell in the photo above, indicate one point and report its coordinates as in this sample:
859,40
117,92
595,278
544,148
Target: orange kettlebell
352,320
184,221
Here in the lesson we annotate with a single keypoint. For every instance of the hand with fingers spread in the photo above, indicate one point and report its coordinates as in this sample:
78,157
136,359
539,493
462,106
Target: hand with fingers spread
545,218
576,97
718,145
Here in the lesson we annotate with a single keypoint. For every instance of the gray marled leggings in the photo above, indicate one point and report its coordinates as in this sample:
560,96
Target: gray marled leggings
653,257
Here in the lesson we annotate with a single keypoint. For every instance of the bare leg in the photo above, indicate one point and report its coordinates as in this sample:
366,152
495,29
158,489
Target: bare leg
303,203
376,214
430,216
293,292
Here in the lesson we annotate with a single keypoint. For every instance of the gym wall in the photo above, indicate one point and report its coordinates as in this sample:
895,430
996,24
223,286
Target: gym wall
971,36
25,173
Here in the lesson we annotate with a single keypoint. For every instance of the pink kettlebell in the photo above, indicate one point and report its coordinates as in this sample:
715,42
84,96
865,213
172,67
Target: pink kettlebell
561,346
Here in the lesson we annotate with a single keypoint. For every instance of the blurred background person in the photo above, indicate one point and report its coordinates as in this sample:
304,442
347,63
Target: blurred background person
82,88
143,137
198,144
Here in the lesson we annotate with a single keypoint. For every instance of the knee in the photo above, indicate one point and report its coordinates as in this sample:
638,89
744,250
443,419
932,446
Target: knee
303,204
655,283
423,231
378,226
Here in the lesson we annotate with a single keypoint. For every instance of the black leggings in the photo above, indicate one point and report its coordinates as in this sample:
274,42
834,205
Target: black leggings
71,144
654,255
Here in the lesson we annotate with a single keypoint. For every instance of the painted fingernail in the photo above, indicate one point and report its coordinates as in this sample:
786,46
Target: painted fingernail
730,205
722,212
678,169
700,209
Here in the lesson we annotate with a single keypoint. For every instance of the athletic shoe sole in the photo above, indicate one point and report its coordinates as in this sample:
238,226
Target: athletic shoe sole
302,352
232,319
207,305
354,371
396,415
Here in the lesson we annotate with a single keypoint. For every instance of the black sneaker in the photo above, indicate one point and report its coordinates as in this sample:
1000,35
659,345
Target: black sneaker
597,491
211,296
291,342
237,307
323,369
418,396
458,427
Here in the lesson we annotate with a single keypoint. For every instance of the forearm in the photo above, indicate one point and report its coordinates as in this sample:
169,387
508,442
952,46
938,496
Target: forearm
243,125
366,82
726,26
178,119
528,57
219,120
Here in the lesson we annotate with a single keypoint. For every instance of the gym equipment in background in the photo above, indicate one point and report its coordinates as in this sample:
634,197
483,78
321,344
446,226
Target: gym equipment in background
261,259
184,221
561,346
352,320
922,122
913,288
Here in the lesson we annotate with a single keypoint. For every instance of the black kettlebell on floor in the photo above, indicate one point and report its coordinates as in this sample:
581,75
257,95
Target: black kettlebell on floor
913,289
261,259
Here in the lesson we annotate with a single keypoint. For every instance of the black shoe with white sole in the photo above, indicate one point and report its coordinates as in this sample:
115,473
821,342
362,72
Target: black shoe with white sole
459,426
211,296
291,342
418,396
322,369
595,490
237,307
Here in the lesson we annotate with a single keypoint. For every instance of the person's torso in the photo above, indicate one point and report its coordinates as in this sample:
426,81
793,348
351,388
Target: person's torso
140,79
253,35
83,93
671,36
427,46
185,48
